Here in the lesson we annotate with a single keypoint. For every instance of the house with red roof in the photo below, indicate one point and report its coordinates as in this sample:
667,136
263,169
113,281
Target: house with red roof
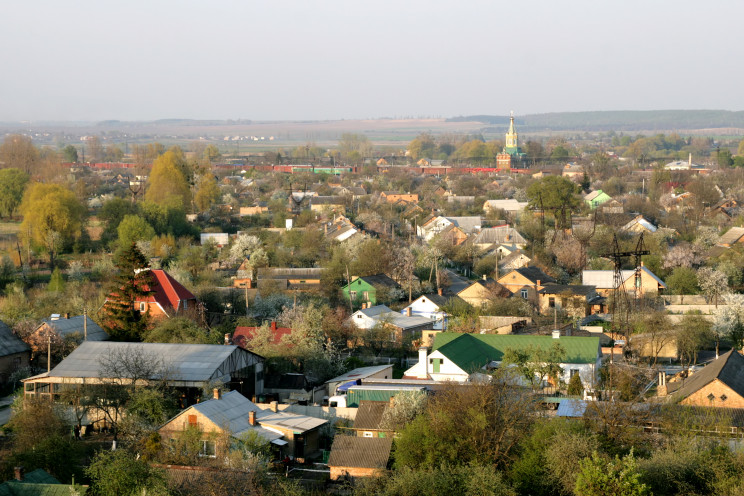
167,297
243,334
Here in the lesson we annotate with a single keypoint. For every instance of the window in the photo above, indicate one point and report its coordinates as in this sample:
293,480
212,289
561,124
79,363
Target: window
185,304
359,316
368,434
711,397
724,397
192,420
352,295
143,306
524,294
208,449
365,295
551,302
573,372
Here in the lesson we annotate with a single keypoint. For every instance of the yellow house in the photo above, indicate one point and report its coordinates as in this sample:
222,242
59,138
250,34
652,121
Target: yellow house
604,281
525,282
718,384
482,291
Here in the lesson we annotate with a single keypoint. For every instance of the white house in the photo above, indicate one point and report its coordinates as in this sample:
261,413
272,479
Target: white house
456,356
429,307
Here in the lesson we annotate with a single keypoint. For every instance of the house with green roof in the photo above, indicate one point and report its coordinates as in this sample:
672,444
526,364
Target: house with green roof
457,356
597,198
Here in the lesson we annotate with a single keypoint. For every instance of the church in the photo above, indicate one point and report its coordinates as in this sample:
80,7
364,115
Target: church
512,156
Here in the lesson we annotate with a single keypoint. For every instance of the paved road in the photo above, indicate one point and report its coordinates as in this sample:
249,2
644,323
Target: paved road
5,409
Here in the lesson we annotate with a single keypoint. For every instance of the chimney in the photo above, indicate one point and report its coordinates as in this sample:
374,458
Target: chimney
392,402
538,282
423,365
273,325
216,393
252,417
274,405
18,473
556,334
689,160
67,315
227,338
408,311
484,277
439,291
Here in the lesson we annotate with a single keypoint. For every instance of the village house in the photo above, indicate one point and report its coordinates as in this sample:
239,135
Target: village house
596,198
243,335
718,384
525,282
369,289
434,225
456,356
369,419
403,328
639,224
510,206
168,297
574,299
481,292
289,278
731,237
393,197
604,281
328,204
14,353
231,416
514,260
487,238
430,307
79,328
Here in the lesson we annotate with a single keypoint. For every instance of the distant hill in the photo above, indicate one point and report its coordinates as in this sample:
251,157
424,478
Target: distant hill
618,120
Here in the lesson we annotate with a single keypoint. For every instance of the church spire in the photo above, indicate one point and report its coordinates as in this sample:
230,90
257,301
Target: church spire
511,136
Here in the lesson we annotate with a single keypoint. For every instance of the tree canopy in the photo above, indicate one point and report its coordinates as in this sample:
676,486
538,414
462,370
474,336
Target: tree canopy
167,185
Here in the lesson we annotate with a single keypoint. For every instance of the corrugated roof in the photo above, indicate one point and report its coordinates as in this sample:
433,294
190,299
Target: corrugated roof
66,327
499,235
184,362
292,421
471,352
361,452
369,414
571,408
16,488
10,344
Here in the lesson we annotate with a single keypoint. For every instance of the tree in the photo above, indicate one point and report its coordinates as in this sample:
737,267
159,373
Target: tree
69,154
536,363
112,213
207,192
56,281
19,152
124,321
95,149
12,185
554,192
354,147
713,283
740,150
724,158
575,387
52,216
178,330
493,417
121,473
168,185
599,477
729,321
406,406
693,334
211,153
134,228
682,281
656,331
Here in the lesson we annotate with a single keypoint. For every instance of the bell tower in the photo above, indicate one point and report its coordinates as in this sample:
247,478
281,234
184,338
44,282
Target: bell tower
512,142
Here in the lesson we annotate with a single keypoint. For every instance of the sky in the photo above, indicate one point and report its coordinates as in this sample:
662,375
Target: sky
345,59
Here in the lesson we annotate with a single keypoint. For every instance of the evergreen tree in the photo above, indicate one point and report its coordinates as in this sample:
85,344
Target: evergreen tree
124,321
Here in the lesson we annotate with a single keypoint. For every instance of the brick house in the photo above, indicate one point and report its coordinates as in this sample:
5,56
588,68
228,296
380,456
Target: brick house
168,297
718,384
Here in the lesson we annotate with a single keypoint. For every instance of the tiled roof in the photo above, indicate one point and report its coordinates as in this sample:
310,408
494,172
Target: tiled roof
360,452
167,291
471,352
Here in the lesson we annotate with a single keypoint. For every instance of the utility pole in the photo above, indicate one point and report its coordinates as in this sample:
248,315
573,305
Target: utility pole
49,351
85,324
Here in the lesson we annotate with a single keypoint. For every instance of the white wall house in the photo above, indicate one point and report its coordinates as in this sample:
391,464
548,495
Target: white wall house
456,357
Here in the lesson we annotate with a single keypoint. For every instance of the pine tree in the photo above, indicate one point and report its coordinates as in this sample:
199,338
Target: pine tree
134,280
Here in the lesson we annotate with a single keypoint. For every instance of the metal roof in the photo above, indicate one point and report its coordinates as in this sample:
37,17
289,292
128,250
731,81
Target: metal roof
571,408
10,344
360,373
66,327
191,363
230,413
471,352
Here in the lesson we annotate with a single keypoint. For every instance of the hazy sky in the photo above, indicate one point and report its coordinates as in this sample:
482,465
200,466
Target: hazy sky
334,59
